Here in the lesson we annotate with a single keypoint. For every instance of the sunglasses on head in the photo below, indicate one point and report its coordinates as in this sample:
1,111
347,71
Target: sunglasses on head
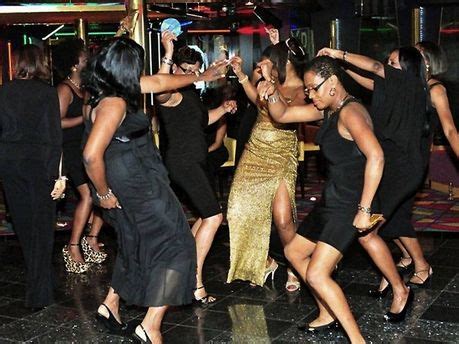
294,47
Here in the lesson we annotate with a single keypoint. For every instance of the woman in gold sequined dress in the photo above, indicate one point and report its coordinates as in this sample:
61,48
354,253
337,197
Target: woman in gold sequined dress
263,188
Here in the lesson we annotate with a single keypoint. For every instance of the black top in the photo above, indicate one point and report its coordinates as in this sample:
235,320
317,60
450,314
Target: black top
399,111
75,109
345,164
182,129
30,126
439,137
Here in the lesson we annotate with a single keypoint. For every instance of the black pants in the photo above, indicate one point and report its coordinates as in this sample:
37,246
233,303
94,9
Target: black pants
27,185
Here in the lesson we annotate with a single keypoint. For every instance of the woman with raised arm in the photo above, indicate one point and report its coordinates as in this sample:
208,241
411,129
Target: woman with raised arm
156,262
264,183
355,164
399,111
183,118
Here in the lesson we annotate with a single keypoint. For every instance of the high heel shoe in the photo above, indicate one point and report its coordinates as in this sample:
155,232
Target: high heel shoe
205,300
379,294
141,334
402,267
423,281
113,325
398,317
270,270
72,265
292,286
309,328
91,255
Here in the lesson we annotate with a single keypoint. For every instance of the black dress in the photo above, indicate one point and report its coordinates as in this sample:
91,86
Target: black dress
71,139
400,117
185,155
331,219
156,261
30,148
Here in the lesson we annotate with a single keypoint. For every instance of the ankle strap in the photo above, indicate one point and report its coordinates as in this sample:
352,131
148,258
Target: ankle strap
73,244
91,236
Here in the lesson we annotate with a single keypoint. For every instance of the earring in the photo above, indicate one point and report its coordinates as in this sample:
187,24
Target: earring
332,92
74,69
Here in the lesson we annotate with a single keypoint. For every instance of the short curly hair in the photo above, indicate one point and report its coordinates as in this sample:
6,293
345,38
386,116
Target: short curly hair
325,66
66,54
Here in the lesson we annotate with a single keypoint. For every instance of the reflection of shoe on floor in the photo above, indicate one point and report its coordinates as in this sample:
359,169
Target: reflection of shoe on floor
61,224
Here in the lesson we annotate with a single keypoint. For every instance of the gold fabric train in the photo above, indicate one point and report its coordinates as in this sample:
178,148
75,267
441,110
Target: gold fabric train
270,157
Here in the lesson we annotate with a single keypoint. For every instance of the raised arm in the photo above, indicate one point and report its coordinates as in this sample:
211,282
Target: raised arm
249,88
110,113
357,124
360,61
440,102
158,83
167,40
367,83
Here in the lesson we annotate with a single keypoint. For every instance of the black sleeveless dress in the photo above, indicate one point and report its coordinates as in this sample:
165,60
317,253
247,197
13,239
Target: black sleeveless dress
185,154
156,261
71,140
331,219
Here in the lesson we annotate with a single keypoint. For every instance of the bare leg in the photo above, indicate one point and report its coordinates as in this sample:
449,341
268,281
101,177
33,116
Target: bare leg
112,301
381,256
204,237
80,217
152,324
282,214
406,258
421,266
96,226
298,253
318,275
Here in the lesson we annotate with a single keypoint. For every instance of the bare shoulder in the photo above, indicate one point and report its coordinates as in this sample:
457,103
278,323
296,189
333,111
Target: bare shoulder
111,105
354,113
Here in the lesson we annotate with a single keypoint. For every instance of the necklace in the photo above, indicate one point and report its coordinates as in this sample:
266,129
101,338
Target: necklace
340,105
78,86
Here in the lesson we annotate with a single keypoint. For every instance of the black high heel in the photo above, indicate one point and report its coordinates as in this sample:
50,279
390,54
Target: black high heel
110,323
139,335
398,317
309,328
379,294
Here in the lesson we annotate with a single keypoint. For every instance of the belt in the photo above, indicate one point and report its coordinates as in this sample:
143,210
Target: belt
131,136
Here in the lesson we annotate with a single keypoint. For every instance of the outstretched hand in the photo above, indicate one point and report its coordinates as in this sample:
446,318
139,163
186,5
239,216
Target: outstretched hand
214,72
273,34
230,106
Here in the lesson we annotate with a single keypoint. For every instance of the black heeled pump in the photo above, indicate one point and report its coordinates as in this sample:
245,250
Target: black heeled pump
110,323
139,333
379,294
321,328
398,317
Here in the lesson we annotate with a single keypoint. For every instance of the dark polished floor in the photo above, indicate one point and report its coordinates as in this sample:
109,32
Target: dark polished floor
242,314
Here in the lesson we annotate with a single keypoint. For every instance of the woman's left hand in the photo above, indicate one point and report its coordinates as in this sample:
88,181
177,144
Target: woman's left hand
333,53
266,67
361,221
230,106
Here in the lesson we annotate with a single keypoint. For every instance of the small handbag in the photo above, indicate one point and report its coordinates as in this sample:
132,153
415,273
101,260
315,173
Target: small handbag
59,184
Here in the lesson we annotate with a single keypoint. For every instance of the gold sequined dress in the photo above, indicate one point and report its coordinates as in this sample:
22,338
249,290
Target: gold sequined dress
269,158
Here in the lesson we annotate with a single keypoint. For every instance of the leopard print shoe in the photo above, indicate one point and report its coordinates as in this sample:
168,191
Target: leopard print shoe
91,255
72,265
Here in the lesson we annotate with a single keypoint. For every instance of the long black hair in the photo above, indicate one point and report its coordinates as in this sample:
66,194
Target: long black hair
284,51
115,72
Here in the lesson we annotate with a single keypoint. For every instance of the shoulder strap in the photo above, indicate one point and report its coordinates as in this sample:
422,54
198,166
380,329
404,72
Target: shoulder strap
435,84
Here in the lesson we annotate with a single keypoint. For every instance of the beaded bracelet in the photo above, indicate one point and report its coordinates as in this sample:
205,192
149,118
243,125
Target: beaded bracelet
273,98
167,61
364,209
106,196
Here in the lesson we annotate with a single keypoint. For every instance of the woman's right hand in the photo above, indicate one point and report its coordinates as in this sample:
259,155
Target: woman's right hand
266,67
214,72
236,64
167,40
110,203
333,53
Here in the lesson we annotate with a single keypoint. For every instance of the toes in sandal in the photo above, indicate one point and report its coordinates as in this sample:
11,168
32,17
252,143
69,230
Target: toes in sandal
205,300
292,286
